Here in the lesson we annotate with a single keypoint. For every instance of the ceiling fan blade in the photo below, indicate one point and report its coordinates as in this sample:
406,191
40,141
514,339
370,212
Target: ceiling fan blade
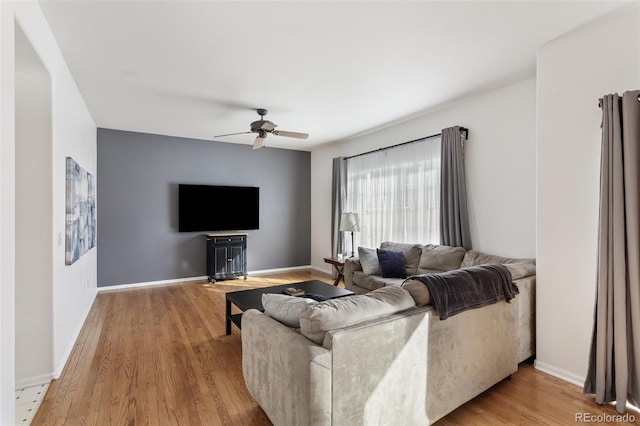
259,143
231,134
290,134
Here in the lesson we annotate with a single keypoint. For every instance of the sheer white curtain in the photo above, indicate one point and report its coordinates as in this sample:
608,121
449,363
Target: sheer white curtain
396,194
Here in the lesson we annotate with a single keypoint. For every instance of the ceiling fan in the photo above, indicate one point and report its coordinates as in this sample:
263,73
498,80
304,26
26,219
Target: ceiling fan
263,127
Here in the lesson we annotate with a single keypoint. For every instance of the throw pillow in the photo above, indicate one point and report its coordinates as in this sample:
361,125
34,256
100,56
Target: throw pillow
391,263
440,258
412,253
285,309
369,261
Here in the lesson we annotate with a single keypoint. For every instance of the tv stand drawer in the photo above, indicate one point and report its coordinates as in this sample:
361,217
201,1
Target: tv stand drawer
228,239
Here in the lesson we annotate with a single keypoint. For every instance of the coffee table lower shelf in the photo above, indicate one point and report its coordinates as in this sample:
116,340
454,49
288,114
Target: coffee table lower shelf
236,319
252,299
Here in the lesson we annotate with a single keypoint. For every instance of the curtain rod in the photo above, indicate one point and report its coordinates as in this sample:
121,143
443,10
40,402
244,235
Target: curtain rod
463,130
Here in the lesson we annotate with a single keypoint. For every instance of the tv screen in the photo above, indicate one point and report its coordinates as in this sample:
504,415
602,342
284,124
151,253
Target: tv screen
218,208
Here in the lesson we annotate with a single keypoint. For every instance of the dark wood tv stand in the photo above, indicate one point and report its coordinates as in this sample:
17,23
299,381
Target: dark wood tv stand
226,256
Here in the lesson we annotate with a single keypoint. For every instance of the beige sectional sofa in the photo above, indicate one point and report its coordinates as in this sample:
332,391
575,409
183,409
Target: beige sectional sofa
433,259
376,358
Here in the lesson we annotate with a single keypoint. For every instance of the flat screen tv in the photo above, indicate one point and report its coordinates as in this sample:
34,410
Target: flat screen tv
218,208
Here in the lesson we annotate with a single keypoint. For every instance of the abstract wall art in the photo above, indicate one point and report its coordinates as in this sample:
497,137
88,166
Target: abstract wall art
80,212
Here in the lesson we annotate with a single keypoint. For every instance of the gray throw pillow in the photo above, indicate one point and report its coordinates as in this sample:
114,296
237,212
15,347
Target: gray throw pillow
285,309
440,258
369,261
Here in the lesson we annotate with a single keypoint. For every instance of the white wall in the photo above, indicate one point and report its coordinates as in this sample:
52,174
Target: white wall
574,71
74,134
7,220
500,165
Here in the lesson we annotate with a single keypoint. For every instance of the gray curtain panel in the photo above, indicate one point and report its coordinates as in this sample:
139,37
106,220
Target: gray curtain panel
338,191
454,215
614,361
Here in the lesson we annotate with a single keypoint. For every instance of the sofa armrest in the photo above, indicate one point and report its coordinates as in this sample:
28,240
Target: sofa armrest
468,353
380,370
287,374
351,265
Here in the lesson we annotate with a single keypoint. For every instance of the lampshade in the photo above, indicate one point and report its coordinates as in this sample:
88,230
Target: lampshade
349,222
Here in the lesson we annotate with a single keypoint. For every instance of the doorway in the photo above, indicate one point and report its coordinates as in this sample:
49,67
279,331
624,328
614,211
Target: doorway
34,217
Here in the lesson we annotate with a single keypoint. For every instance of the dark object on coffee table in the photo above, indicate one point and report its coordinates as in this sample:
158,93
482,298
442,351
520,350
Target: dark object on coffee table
316,297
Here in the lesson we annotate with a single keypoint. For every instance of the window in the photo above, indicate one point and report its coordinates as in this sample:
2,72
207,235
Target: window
396,193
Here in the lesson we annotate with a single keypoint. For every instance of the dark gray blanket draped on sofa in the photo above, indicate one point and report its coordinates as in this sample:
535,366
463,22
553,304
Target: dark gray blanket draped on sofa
614,361
454,215
472,287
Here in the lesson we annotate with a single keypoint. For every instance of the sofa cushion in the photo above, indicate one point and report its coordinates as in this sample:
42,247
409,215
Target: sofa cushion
411,254
422,271
285,309
418,291
519,268
440,258
391,264
369,261
317,319
374,282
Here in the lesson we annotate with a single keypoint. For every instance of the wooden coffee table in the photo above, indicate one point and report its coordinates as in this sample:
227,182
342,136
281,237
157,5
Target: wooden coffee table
252,299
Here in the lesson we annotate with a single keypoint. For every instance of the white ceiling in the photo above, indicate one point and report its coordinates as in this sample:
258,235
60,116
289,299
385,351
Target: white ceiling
332,69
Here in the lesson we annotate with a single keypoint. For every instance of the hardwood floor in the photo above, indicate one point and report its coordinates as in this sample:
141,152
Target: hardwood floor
159,356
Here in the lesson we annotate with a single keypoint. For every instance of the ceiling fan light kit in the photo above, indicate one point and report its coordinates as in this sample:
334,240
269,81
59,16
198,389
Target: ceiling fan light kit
263,127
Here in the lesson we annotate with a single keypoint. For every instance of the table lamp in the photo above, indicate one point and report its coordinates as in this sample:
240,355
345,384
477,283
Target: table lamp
349,223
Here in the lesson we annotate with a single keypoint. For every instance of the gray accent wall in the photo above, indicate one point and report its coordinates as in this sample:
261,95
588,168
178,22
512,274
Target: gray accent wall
137,184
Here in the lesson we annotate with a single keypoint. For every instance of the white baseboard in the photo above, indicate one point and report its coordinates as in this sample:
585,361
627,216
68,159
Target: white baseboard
57,372
152,283
34,381
202,278
277,270
559,373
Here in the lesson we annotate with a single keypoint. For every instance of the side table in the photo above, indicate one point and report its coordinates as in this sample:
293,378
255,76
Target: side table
338,266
